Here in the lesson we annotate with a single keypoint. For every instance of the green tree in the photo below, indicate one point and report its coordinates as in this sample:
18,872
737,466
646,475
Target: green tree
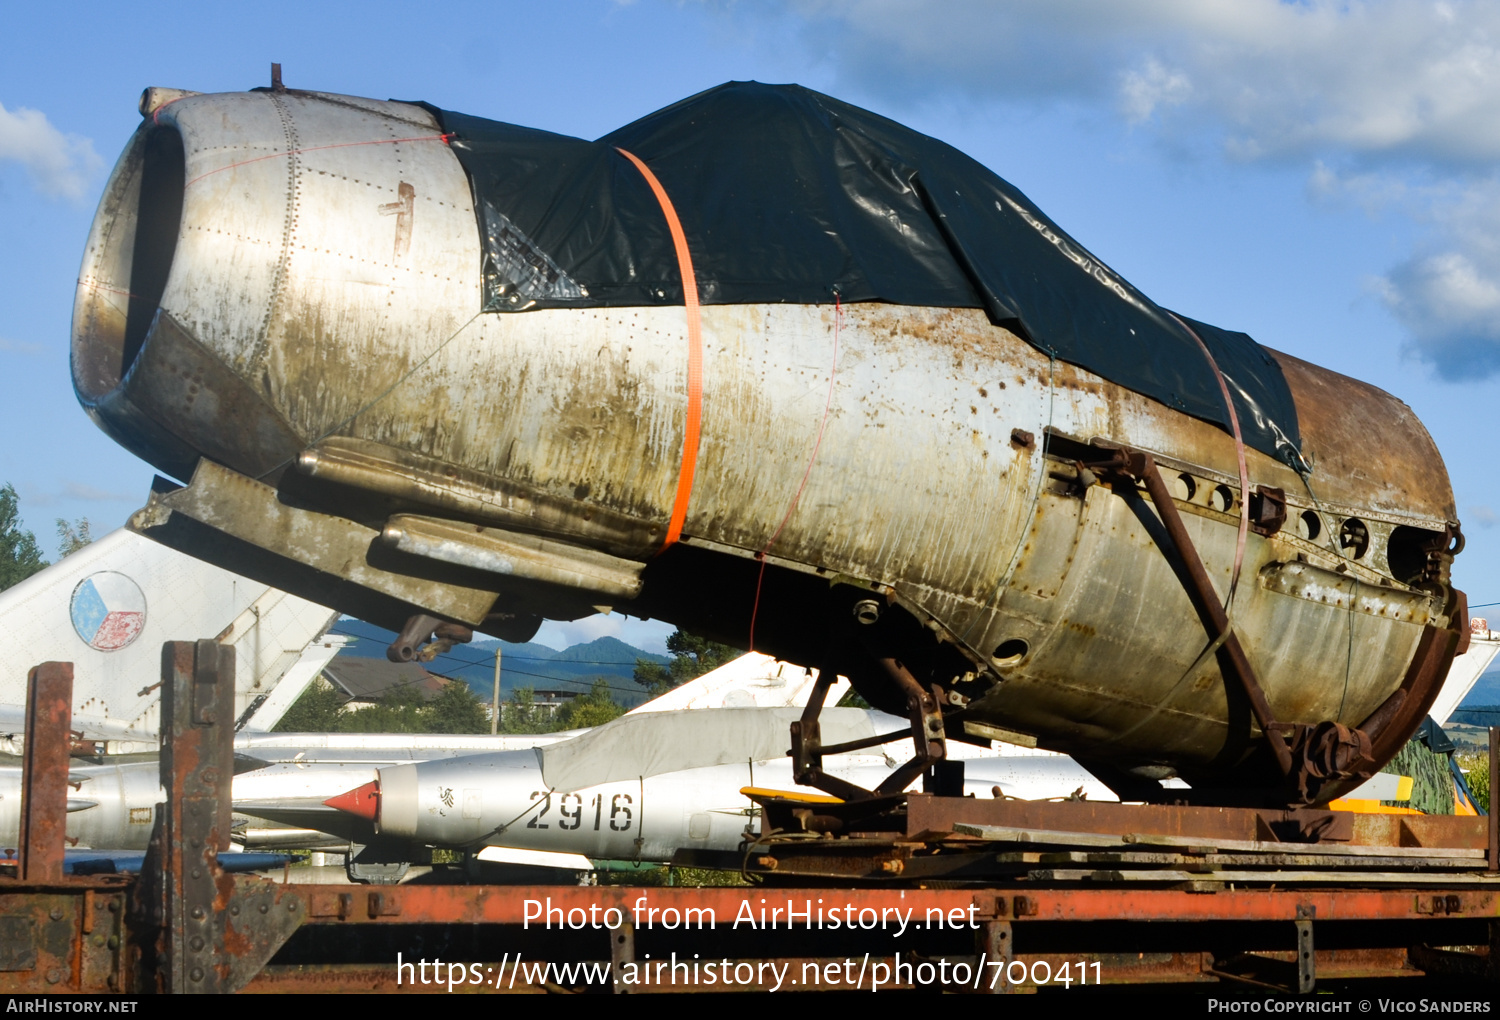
853,699
457,709
692,656
401,709
19,555
318,710
72,537
520,714
595,708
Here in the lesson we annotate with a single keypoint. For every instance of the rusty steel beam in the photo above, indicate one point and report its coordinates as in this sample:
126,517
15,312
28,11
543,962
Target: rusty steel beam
197,759
1298,827
1492,826
44,794
75,940
216,930
331,906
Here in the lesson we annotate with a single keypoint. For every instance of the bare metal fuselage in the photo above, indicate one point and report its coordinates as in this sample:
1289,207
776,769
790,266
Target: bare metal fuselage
281,299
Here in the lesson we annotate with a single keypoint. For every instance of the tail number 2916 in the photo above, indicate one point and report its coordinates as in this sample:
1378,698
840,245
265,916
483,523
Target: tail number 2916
571,810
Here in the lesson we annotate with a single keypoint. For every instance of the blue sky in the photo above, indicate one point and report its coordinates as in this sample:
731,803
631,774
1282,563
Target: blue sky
1320,175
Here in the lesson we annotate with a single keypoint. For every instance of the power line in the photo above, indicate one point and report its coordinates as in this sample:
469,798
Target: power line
539,658
505,669
521,672
540,676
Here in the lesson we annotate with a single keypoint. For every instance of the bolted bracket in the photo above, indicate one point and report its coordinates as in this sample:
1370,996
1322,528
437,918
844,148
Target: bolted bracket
216,931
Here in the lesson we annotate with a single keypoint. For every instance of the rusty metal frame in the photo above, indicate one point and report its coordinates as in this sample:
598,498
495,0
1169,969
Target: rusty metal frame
44,812
808,750
331,906
923,712
927,734
76,934
1317,760
212,931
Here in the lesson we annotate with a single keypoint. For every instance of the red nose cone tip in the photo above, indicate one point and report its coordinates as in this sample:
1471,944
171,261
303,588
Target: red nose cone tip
364,801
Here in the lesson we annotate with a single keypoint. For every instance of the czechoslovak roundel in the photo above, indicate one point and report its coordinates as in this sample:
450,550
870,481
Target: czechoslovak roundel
108,610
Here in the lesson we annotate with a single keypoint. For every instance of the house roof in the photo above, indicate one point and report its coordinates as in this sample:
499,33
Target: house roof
369,679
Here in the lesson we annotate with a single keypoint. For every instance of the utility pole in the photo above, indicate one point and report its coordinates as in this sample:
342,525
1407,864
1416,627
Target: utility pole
495,697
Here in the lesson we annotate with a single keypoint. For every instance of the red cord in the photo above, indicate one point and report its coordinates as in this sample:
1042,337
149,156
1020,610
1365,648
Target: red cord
110,290
1239,450
838,321
318,148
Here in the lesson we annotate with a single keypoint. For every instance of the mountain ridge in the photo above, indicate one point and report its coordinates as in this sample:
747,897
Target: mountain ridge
523,664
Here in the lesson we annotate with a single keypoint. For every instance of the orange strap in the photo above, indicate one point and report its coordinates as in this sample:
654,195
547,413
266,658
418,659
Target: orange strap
695,354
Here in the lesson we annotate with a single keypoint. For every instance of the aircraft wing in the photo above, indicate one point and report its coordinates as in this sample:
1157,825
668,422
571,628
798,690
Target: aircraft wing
108,607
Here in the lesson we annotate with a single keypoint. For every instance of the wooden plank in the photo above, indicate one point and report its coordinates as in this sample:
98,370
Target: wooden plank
1341,849
1006,834
1317,854
1213,860
1320,860
1279,877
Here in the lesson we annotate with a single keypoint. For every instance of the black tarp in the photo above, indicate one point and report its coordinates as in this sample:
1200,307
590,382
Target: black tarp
786,195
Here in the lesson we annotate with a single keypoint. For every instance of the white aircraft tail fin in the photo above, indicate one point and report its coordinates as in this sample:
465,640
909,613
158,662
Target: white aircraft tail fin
751,681
110,606
1465,672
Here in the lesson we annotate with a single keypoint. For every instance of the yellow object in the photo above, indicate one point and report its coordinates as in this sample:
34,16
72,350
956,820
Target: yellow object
1370,807
805,798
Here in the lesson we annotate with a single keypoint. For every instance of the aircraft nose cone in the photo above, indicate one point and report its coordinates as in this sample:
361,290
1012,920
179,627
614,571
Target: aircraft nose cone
363,801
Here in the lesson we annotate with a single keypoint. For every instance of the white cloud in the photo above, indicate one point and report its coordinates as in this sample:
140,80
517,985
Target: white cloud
1447,294
1391,78
1451,306
17,347
1394,105
1153,86
647,635
77,490
1483,516
59,164
1375,191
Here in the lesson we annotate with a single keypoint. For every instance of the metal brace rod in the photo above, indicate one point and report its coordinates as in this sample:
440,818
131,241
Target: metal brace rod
926,732
1206,601
926,729
808,750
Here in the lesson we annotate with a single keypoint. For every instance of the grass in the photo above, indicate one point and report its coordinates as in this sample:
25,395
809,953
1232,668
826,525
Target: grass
1476,766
